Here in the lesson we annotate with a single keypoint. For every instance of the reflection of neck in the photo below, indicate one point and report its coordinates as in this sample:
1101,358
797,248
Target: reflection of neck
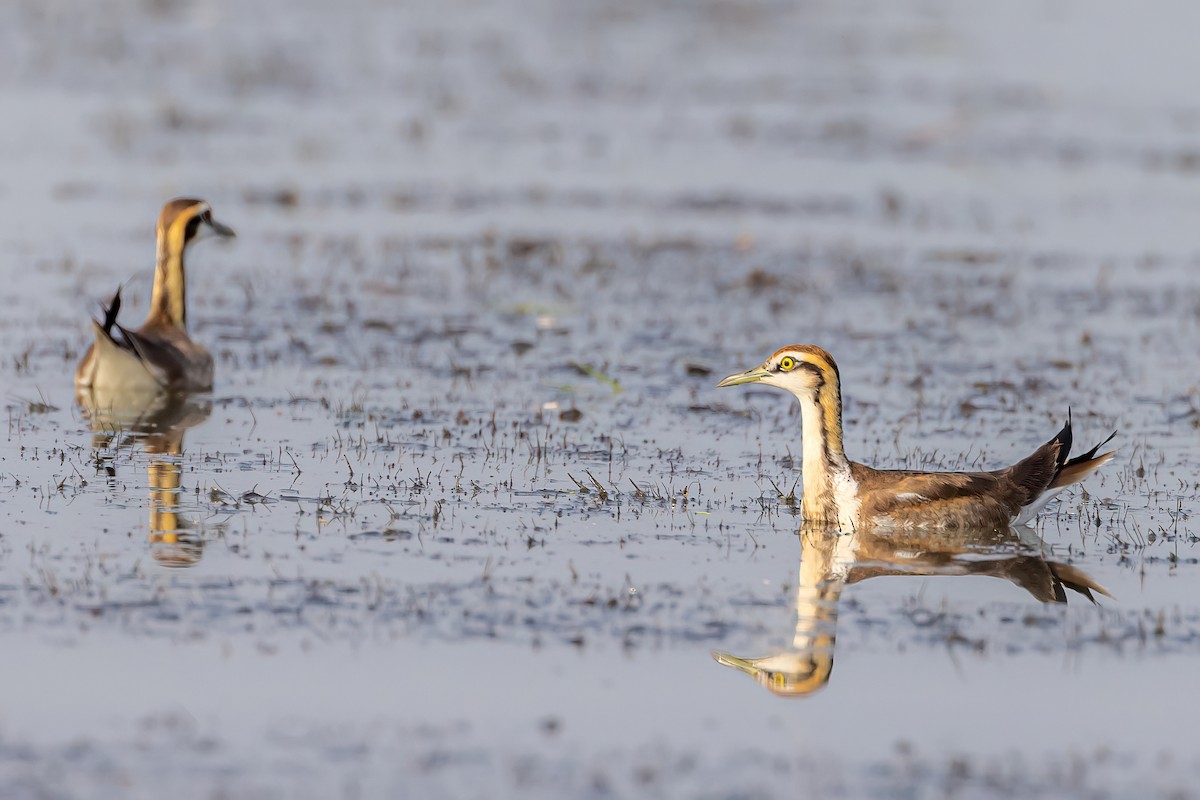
823,460
163,475
825,560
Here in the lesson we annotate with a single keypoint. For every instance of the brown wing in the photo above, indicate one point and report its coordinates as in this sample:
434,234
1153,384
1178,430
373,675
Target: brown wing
163,360
969,499
955,499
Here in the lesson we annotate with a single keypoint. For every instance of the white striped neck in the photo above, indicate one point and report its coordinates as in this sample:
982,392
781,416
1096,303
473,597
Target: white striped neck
829,489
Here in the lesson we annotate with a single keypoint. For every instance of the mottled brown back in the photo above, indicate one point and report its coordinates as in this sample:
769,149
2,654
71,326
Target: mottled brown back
954,499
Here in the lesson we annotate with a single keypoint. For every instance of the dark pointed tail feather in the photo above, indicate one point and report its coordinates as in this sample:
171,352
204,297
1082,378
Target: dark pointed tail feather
1069,470
1064,439
111,312
1077,471
1090,454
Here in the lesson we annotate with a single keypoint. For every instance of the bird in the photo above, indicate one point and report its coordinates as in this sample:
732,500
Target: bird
158,356
842,493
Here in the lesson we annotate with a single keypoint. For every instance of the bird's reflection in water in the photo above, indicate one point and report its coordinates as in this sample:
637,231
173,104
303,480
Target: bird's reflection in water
157,422
829,561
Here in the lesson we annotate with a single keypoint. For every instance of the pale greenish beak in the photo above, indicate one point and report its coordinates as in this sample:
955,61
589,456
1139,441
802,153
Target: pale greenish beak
749,376
730,660
790,674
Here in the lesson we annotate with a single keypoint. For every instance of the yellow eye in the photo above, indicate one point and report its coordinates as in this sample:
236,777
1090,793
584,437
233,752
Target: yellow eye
787,363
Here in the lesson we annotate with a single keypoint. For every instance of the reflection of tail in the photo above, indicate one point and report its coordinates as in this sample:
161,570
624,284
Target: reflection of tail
1074,579
1046,581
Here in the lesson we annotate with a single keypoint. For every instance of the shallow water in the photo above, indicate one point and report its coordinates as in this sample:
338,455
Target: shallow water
491,258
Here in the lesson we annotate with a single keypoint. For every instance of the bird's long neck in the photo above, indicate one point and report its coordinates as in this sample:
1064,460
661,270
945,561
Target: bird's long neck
823,460
168,302
825,560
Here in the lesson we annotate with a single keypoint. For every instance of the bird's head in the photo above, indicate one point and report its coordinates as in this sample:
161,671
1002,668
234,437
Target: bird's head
795,674
183,219
802,369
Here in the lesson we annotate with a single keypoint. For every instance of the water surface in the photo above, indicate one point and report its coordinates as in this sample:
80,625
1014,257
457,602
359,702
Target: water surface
494,254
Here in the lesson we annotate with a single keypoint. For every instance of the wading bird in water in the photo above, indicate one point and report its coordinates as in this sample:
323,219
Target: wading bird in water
843,493
158,356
